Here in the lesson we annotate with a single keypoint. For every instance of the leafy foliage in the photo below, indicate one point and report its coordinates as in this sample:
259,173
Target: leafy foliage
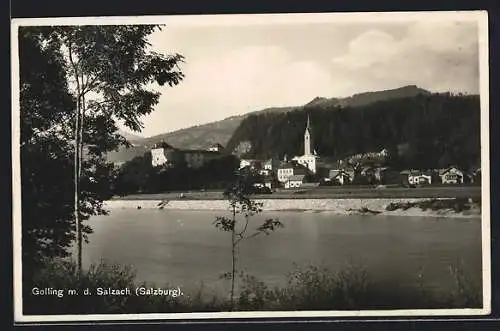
423,131
109,70
241,204
139,176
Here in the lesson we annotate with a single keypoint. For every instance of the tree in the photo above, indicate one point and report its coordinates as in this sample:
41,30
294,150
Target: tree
45,107
426,126
136,175
109,72
238,195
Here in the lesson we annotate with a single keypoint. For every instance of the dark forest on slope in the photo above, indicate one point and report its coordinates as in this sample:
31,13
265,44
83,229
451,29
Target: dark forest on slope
424,131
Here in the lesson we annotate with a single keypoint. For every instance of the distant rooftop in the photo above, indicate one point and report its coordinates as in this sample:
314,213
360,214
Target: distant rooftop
297,177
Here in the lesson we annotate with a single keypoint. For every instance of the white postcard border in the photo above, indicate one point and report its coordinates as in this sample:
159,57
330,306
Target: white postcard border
481,17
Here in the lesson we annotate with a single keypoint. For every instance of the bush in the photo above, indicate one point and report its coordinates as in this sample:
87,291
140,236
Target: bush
458,204
308,288
62,274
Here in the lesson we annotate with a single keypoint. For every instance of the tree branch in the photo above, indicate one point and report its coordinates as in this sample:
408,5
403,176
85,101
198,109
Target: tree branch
244,228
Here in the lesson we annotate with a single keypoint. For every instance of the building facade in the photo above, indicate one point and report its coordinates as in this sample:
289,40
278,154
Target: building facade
452,175
288,170
295,181
165,155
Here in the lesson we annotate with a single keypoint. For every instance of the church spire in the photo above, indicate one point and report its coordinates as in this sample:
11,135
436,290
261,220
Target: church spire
308,146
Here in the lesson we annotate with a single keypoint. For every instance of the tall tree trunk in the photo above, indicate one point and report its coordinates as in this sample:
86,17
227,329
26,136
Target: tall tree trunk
80,161
77,160
77,187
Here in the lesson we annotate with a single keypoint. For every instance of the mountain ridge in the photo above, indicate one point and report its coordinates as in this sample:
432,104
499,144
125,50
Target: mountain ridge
203,135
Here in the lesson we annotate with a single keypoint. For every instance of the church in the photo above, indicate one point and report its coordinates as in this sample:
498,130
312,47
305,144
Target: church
310,158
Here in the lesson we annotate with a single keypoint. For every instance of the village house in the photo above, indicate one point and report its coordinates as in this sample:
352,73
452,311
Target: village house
163,154
267,181
342,176
295,181
418,177
325,165
290,169
272,164
252,163
452,175
216,148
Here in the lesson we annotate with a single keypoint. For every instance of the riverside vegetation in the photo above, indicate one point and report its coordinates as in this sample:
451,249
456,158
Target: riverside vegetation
457,205
307,288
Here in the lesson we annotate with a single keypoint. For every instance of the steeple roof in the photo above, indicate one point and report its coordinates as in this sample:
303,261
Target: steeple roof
308,127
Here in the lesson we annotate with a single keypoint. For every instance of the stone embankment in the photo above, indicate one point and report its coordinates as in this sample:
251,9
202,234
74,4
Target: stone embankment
337,206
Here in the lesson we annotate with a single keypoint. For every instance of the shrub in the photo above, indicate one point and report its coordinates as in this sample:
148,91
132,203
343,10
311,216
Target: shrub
307,288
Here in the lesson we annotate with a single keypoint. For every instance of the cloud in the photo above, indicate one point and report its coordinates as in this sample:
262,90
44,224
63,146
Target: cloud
241,80
235,72
438,56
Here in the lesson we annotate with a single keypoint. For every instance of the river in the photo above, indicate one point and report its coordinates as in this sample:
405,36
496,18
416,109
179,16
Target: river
183,248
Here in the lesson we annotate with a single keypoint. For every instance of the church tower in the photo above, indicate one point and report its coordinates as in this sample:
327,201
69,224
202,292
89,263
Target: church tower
308,145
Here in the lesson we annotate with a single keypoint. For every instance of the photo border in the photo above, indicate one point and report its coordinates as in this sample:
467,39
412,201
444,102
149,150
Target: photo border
481,17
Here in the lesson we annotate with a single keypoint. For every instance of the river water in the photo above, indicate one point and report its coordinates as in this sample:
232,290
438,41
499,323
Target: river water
183,248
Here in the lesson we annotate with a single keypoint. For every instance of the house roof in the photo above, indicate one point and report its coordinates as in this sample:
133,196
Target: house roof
287,165
341,173
216,145
420,172
443,171
310,185
250,160
296,178
198,151
294,165
271,161
162,144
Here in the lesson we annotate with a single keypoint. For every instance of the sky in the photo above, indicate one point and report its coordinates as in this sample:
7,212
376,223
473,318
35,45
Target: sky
234,69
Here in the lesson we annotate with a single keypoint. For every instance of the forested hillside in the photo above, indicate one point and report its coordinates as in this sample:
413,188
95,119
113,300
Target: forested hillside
202,136
423,131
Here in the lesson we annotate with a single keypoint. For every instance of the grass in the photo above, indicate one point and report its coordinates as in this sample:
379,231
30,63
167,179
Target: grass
308,288
341,192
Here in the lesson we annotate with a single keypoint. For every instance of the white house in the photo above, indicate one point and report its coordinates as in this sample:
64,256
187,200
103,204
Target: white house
295,181
216,148
419,178
161,154
250,163
271,164
452,175
288,170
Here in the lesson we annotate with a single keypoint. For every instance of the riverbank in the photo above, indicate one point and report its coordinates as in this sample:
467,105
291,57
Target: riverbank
328,192
336,206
